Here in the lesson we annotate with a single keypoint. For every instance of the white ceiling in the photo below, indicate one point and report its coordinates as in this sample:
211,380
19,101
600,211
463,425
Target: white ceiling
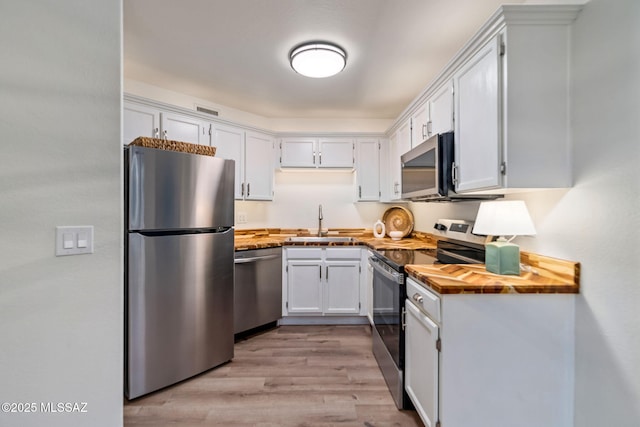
234,52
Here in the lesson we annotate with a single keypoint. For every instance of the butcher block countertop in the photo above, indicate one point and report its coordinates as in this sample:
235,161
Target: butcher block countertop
542,275
275,237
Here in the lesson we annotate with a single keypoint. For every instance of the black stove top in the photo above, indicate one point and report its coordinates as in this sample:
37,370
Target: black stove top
449,251
398,258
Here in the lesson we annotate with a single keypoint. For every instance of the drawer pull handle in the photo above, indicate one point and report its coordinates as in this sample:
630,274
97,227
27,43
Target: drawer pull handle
418,298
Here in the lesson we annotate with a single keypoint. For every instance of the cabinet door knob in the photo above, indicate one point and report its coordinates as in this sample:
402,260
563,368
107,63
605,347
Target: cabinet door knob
418,298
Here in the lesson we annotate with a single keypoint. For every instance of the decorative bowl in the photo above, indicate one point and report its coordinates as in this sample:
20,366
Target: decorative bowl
396,235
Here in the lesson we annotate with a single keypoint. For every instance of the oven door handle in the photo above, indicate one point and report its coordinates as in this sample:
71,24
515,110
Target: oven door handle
391,275
460,257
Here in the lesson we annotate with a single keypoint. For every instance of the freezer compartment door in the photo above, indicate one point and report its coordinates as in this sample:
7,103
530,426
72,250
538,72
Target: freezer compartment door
169,190
179,308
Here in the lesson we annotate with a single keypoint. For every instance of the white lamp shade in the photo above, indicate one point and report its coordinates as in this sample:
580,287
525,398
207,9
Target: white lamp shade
504,218
318,60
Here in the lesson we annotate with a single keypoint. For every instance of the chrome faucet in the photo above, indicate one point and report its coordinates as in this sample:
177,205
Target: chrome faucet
320,221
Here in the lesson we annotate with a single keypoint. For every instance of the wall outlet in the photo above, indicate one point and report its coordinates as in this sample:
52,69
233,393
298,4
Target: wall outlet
241,218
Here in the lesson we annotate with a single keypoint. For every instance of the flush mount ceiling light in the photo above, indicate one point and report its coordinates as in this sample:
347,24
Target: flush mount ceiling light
318,59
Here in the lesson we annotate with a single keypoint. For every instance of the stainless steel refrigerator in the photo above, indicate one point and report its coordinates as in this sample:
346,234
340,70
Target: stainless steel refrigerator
179,269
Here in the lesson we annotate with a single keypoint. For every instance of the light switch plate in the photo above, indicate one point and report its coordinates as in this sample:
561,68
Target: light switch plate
74,240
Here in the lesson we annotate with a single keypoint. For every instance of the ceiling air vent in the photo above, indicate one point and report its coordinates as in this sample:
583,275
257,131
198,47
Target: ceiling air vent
206,110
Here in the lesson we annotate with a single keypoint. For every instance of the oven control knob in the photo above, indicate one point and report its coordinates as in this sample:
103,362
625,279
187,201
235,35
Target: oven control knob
440,227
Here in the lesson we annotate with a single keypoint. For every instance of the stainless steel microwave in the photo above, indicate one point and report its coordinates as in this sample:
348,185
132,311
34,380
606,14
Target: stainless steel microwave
426,169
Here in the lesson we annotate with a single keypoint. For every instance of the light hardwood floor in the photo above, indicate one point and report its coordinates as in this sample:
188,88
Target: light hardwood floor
289,376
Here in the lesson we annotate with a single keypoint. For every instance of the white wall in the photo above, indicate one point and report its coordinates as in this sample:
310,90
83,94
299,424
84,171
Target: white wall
296,200
156,93
61,317
597,222
273,124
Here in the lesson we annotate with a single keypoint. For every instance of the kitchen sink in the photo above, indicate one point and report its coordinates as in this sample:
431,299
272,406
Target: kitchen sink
323,239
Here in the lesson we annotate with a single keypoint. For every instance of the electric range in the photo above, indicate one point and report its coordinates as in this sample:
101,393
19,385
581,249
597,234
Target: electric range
456,245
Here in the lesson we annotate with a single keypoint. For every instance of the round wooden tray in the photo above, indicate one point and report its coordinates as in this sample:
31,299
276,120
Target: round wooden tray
398,218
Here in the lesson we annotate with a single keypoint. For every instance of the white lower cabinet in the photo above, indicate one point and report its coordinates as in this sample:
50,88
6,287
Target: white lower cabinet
421,363
489,359
304,279
321,281
342,287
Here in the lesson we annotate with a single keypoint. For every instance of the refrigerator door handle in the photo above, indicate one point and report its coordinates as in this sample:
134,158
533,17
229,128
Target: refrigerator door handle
152,233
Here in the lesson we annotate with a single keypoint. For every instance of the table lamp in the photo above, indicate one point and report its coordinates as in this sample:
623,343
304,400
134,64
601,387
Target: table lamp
503,218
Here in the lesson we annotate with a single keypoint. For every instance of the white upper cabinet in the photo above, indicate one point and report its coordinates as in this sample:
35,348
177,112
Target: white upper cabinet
477,151
139,120
258,166
404,140
229,143
512,102
440,110
253,154
178,127
386,186
506,97
368,169
316,153
336,153
393,169
420,124
298,153
399,144
434,116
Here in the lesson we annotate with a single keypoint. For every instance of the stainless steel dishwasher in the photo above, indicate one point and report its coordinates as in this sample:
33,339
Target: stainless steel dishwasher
257,288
